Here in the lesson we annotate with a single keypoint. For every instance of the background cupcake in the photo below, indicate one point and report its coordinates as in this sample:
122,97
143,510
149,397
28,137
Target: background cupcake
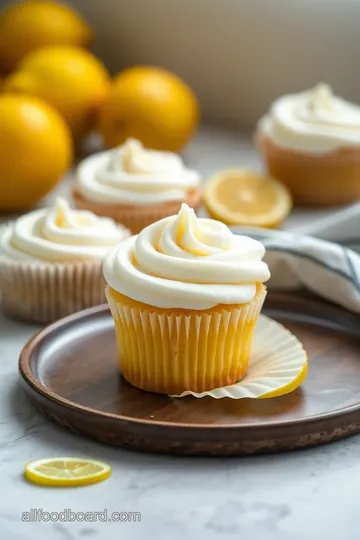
135,186
50,262
311,142
185,295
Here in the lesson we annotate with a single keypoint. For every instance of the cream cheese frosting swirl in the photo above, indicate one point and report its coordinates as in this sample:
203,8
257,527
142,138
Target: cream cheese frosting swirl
185,262
134,175
60,234
314,121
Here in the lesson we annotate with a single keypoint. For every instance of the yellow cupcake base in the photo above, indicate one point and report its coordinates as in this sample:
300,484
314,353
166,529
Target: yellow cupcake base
278,365
171,351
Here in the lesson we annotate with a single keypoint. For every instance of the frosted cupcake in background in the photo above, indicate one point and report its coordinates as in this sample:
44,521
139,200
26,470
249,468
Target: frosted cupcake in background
185,295
311,142
51,262
134,185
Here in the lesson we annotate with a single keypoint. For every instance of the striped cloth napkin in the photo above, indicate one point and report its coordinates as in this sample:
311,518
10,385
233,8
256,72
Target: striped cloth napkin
341,226
298,261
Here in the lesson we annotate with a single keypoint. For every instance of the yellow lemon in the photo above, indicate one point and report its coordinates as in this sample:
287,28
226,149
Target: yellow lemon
27,26
243,197
152,105
71,79
67,471
35,151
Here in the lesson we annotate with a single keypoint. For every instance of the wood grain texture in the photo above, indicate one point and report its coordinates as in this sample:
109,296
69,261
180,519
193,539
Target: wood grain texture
70,372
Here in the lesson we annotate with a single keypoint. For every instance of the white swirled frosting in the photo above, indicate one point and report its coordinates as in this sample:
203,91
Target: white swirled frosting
185,262
60,234
315,121
134,175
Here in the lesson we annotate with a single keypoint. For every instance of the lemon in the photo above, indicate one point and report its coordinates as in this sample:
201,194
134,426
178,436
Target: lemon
67,471
244,197
151,105
27,26
35,150
70,79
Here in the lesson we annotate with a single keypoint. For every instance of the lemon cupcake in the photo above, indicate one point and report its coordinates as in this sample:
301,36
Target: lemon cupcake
311,142
135,186
185,295
51,262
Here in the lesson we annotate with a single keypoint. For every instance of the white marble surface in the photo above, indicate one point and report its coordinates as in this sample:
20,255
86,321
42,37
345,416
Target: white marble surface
305,495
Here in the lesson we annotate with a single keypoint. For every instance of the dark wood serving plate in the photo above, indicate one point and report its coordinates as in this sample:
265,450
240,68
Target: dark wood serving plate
70,372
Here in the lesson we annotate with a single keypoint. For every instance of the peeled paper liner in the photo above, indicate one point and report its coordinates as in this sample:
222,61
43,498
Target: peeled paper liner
277,359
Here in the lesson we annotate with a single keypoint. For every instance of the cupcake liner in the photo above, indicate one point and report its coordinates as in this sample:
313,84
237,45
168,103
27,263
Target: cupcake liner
314,179
171,351
44,292
278,365
135,218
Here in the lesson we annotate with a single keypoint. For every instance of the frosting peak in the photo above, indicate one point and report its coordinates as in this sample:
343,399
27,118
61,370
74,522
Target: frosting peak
314,121
186,262
135,175
136,159
193,236
321,98
60,234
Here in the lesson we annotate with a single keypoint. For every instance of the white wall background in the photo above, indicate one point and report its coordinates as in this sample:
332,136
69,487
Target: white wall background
238,55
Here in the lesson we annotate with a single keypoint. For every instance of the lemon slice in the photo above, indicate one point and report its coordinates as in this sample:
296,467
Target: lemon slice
67,471
244,197
278,365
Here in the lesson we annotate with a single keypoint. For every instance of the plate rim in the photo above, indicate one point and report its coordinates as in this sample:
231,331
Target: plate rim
32,382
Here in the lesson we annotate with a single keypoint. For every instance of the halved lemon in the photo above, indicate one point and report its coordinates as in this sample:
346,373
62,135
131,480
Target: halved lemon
245,197
67,471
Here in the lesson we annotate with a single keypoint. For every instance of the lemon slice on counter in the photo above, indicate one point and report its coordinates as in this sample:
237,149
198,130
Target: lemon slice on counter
67,471
244,197
278,365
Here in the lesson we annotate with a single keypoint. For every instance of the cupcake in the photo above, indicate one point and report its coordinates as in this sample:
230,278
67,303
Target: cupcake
311,142
185,295
135,186
51,262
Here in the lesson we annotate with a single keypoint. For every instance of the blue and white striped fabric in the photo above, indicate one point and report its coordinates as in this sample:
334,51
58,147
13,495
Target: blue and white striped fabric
341,226
297,261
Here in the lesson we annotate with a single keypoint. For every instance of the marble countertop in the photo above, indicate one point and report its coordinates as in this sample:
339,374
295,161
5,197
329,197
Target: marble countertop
295,496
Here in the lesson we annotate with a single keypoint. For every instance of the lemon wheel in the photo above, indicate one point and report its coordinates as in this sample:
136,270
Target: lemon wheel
244,197
67,471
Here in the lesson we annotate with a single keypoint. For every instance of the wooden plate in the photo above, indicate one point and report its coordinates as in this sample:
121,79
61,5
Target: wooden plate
70,372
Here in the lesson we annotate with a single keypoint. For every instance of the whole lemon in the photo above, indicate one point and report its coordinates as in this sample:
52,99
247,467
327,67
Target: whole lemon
27,26
152,105
35,151
73,80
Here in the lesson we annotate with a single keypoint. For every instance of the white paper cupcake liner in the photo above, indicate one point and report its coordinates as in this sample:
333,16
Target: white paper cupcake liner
277,366
44,292
171,352
135,218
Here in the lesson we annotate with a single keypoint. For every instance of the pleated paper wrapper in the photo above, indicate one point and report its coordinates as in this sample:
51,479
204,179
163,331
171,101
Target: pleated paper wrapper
135,218
169,352
44,292
278,365
314,179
